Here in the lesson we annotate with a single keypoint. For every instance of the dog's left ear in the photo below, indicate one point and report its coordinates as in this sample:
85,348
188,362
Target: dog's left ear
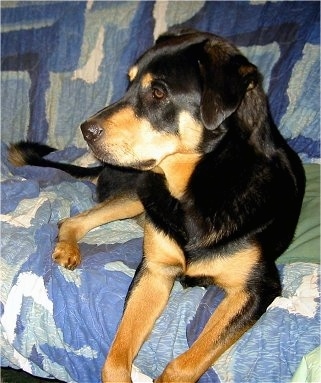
226,76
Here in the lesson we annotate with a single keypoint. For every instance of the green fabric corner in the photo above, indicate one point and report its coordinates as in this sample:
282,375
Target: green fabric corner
309,370
306,244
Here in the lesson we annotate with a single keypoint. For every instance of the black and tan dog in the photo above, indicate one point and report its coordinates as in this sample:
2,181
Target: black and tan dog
220,188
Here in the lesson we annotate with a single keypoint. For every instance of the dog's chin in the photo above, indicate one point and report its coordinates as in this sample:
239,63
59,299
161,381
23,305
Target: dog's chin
141,165
116,161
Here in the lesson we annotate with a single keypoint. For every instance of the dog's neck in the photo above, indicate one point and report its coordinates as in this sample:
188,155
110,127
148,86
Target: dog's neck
177,169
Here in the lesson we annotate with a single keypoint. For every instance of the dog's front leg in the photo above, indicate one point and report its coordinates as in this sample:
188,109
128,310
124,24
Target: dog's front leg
71,230
163,261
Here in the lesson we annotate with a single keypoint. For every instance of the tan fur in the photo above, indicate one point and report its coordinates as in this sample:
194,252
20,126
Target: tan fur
131,140
164,260
178,169
231,271
161,250
15,156
190,132
146,80
209,345
132,73
71,230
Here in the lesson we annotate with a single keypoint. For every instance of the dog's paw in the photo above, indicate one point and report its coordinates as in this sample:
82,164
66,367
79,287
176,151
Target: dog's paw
67,254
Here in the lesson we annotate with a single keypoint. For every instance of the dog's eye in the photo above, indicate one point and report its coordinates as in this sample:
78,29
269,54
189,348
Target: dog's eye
158,93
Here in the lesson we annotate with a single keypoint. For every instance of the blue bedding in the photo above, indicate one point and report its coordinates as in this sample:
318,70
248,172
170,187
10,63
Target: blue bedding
63,61
57,322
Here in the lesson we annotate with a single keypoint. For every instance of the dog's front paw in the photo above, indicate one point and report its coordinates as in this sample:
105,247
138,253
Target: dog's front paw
67,254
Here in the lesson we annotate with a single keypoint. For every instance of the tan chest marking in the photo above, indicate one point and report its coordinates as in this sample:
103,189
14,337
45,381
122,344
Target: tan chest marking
178,169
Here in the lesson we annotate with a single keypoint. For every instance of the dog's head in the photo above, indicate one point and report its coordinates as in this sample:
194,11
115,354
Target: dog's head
181,93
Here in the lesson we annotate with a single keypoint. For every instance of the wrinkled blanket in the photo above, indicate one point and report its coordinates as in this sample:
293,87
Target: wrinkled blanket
61,61
60,323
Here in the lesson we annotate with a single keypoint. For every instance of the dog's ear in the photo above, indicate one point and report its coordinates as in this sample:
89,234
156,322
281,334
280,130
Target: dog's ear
227,76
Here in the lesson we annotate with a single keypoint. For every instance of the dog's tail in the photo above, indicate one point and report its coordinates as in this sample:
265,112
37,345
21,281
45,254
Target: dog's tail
32,153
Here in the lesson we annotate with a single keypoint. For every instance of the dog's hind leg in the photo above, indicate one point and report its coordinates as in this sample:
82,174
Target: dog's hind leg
71,230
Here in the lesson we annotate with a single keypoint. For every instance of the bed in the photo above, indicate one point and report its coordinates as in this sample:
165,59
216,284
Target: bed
63,61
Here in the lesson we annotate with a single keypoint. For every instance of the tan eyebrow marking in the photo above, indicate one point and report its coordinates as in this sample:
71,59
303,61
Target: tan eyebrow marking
146,80
133,72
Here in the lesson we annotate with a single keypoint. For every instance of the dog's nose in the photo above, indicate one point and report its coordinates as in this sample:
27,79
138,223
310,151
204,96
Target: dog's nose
91,130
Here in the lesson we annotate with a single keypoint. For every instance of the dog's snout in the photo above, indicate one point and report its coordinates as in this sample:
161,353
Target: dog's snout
91,130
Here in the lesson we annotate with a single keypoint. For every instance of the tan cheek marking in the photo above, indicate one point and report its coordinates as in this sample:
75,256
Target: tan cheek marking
132,73
125,131
230,271
153,145
124,122
190,131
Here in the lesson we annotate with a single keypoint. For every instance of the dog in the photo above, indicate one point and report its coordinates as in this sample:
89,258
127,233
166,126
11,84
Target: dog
192,145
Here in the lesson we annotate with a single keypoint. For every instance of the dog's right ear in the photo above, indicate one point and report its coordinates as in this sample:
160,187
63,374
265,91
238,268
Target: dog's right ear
226,75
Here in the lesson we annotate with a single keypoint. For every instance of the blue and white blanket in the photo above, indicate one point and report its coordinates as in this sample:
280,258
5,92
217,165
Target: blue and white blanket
63,61
57,322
